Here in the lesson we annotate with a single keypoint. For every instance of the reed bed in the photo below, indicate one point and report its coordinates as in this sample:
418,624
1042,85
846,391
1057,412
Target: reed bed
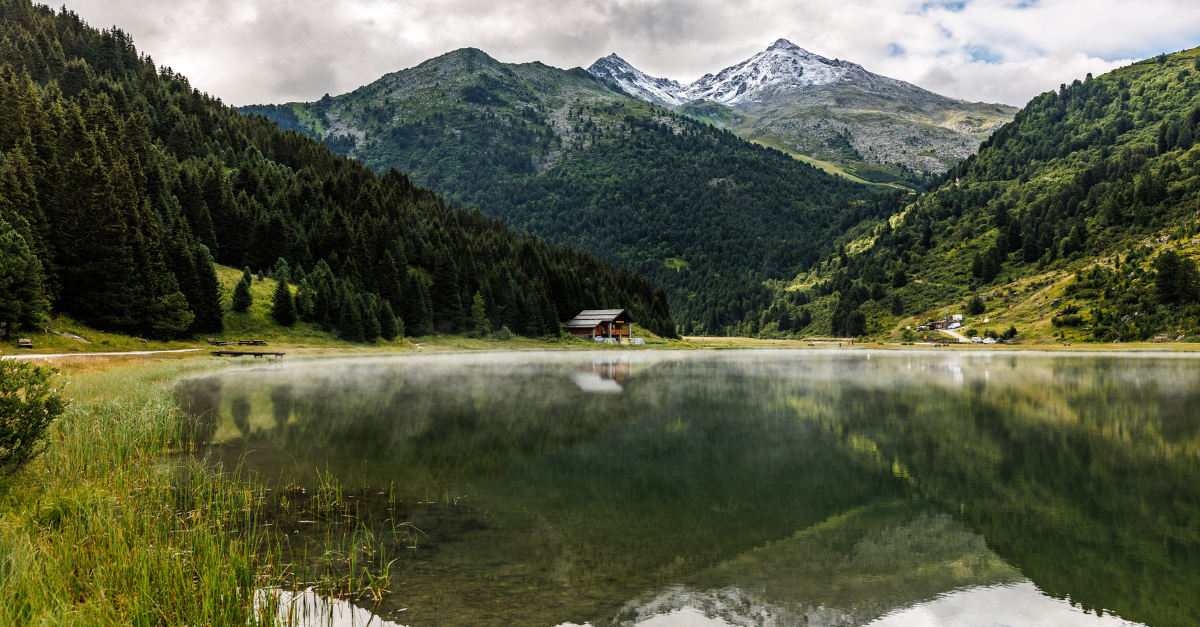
117,523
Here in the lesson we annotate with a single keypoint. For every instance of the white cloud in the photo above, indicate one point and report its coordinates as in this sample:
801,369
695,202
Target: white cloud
252,51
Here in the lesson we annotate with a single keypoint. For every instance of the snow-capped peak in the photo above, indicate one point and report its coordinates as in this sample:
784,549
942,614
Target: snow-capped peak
636,83
782,65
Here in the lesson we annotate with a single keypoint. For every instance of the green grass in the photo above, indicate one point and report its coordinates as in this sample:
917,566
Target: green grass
96,532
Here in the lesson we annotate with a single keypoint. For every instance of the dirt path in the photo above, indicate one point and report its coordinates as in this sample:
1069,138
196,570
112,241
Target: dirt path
43,356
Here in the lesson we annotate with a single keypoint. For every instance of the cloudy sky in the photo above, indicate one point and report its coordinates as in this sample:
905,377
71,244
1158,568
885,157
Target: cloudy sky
269,51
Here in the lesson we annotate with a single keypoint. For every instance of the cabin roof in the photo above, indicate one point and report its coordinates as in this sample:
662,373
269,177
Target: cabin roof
589,318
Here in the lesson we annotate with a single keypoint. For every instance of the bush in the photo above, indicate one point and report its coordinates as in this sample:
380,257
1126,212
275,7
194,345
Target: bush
975,305
27,407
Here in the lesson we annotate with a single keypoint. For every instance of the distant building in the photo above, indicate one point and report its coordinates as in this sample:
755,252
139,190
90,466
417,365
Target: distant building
602,324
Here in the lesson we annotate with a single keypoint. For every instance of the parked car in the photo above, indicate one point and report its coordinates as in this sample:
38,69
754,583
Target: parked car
989,340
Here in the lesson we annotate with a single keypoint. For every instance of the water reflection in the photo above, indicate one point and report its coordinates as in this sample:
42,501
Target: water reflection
810,488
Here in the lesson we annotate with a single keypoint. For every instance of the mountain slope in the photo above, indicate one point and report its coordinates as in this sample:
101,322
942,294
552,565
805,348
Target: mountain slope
1077,221
567,156
120,184
831,110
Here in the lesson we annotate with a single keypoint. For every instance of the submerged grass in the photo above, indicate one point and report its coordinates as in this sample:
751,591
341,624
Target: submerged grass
120,523
96,532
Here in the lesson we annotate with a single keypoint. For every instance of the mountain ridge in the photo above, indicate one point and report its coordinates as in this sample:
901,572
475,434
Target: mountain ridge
828,109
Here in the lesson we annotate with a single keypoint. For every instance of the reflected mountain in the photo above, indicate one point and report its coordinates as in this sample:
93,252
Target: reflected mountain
809,488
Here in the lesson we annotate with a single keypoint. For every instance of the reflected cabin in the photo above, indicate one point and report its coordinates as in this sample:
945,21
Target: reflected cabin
602,324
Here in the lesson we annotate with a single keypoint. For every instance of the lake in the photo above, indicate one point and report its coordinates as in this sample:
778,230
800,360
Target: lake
724,488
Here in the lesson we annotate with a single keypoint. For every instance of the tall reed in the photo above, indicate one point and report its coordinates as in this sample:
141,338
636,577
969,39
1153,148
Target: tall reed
101,530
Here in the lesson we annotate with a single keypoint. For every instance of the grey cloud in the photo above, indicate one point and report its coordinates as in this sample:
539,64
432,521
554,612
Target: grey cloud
253,51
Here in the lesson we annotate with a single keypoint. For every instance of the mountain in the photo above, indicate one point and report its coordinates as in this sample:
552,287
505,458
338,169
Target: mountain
1078,221
824,109
572,158
120,184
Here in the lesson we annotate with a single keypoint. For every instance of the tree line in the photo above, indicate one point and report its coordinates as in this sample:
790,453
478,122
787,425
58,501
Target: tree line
120,185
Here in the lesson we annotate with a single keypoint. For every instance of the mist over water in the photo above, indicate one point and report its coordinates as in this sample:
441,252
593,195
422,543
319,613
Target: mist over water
741,488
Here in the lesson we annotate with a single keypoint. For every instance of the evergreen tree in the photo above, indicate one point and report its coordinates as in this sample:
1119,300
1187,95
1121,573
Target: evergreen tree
281,271
206,303
479,319
22,300
241,296
389,327
350,322
283,307
372,328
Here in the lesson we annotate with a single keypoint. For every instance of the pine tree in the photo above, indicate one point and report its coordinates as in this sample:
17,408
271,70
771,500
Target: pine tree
350,322
22,299
369,306
283,308
282,272
241,296
479,320
206,304
389,328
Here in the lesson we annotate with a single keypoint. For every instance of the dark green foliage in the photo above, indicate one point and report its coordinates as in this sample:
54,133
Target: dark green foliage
1177,281
241,296
27,407
22,299
283,307
350,321
975,305
124,174
646,191
206,299
389,327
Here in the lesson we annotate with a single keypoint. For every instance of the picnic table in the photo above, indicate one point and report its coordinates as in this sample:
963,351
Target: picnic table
275,355
252,342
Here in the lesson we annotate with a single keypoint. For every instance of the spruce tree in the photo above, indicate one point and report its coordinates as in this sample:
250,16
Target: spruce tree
281,272
350,323
283,308
241,296
369,306
388,327
21,297
206,303
479,320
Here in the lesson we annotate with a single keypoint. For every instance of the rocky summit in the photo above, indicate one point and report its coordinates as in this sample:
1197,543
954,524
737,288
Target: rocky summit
826,109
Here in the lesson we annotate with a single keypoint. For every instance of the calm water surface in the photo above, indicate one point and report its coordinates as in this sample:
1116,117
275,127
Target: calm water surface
738,488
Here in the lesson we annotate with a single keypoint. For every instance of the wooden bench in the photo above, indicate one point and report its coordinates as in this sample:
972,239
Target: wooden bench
252,342
24,343
277,356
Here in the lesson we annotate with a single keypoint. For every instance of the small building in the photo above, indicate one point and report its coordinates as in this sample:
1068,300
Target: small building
602,324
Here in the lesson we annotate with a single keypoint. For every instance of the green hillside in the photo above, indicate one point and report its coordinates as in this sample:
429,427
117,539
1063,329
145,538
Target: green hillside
566,156
1077,221
120,184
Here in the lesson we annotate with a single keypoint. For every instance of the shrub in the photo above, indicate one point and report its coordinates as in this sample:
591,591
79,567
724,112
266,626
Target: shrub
975,305
27,407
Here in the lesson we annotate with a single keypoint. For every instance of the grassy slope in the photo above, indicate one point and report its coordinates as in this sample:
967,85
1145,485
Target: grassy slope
1026,295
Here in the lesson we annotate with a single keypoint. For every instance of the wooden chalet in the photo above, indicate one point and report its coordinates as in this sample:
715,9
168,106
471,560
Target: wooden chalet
602,324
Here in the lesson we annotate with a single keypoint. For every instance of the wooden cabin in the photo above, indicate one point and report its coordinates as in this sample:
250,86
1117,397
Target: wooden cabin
602,324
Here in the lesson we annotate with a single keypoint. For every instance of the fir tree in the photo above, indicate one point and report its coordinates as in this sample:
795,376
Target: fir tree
283,308
241,296
369,306
21,297
389,328
206,304
350,322
479,319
